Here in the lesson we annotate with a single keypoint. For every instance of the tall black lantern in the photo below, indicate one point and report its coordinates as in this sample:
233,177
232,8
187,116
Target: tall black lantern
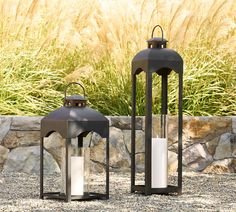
74,121
160,60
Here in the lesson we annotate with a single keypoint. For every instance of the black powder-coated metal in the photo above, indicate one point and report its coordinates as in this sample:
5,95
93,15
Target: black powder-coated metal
170,189
180,125
133,130
107,167
90,196
68,170
148,134
41,168
71,121
160,60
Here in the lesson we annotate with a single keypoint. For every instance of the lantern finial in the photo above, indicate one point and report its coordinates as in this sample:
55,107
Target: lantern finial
74,100
157,42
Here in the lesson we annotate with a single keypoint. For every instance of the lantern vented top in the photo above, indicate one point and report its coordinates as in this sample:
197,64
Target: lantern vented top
75,100
157,42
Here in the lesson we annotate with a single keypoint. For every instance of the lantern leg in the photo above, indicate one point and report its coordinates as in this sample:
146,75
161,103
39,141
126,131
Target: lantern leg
41,168
148,134
68,170
133,132
180,134
107,167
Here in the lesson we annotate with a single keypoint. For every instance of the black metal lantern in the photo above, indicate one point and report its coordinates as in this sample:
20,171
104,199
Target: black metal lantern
74,121
160,60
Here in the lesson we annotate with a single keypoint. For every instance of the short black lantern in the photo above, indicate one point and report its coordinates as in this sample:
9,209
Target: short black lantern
73,121
160,60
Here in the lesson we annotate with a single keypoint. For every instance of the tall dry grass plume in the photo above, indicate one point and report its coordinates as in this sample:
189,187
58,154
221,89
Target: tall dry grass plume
44,44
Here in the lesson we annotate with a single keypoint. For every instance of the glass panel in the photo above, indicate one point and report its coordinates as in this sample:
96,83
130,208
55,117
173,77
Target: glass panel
80,157
97,162
52,173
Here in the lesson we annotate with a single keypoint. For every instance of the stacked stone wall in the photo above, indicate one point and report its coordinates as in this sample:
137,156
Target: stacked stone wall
209,144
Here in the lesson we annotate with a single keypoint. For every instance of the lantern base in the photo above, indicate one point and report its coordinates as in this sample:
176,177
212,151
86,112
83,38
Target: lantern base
170,189
86,196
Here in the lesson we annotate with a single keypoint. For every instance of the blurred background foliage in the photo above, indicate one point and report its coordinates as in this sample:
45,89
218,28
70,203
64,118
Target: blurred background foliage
44,44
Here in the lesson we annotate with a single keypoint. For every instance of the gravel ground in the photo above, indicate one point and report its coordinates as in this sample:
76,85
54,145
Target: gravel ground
201,192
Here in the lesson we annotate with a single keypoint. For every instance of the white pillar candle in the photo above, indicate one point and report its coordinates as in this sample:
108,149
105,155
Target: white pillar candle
77,175
159,163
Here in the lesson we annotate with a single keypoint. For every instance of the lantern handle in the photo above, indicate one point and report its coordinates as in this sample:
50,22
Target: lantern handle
161,31
73,83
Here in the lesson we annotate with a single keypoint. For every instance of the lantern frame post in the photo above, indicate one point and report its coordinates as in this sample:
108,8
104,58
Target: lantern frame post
133,132
180,125
68,170
41,168
148,134
107,166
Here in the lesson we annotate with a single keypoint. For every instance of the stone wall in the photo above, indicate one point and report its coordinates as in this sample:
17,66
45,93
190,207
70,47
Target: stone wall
209,144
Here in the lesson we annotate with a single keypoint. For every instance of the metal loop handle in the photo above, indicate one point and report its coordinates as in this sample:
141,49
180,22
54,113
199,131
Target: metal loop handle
161,31
73,83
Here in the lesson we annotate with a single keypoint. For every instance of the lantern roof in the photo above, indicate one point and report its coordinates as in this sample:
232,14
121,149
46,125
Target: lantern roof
157,57
73,119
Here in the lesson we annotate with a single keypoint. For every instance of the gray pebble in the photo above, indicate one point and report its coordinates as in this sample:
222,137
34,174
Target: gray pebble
201,192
